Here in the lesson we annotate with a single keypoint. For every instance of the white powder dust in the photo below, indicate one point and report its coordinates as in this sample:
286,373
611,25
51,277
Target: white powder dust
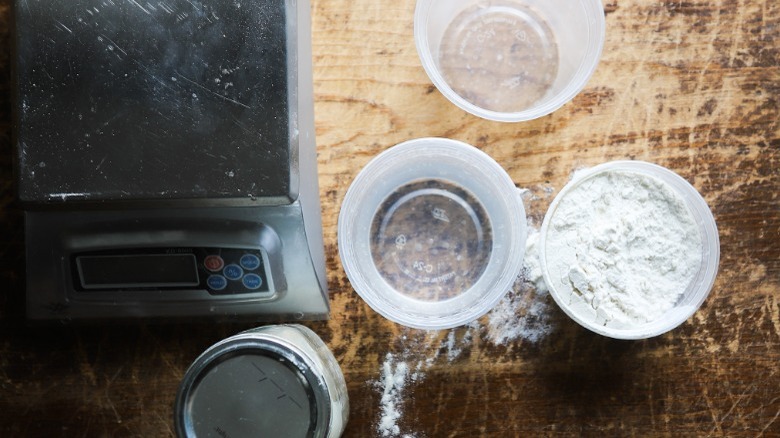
522,315
623,248
400,369
513,319
455,346
532,266
393,381
409,366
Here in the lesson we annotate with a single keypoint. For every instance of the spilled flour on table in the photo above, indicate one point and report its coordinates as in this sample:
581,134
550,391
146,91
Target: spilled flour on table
399,370
522,315
532,266
523,312
454,347
393,380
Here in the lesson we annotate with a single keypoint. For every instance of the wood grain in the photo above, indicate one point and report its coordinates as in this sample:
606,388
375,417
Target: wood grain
693,86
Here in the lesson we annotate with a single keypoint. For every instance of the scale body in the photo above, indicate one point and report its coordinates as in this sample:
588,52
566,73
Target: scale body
166,160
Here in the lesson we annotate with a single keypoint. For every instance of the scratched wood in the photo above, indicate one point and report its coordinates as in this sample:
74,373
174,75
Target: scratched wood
693,86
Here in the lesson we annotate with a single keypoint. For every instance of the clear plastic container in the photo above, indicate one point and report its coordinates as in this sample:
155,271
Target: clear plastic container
432,233
509,60
690,299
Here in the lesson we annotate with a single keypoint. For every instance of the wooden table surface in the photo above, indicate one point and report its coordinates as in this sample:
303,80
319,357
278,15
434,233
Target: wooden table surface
693,86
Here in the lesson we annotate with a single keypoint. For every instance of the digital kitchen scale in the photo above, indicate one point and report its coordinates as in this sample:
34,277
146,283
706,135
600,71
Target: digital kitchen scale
166,159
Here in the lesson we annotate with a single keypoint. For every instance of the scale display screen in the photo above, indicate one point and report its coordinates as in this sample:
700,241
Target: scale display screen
141,270
219,271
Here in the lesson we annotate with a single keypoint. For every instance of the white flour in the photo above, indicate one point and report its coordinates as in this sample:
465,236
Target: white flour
532,267
394,377
623,247
399,370
522,315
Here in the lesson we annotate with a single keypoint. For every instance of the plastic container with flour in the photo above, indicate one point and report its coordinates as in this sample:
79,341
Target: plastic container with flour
629,249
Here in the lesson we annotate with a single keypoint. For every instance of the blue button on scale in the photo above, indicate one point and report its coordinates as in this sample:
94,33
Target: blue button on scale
216,282
250,262
252,281
233,272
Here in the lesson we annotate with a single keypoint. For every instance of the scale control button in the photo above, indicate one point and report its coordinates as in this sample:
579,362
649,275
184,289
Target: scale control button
250,262
252,281
233,272
216,282
213,263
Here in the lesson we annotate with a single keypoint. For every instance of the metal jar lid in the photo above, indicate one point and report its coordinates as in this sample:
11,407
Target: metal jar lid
270,381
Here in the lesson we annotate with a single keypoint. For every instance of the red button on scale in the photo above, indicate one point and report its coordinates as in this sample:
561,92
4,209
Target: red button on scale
213,263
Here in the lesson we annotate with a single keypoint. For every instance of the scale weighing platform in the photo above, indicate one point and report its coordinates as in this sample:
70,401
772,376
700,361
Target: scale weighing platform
166,159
